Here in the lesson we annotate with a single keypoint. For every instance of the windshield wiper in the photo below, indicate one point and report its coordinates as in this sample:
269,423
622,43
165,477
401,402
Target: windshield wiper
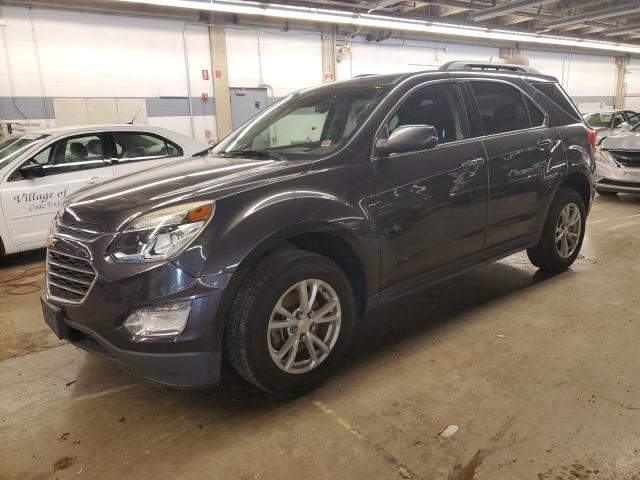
254,153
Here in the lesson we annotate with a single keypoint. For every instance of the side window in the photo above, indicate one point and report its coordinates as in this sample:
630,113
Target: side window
441,106
72,154
131,147
502,107
536,115
617,120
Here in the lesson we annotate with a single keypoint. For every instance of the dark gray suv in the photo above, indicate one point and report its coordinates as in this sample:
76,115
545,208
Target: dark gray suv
331,202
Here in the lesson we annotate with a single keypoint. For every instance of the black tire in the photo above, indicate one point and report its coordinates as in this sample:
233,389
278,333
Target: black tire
606,193
246,338
545,254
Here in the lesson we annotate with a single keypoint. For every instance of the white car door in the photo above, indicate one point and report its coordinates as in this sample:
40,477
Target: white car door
136,151
31,197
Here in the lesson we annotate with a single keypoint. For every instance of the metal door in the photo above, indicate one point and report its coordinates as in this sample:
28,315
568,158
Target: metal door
246,103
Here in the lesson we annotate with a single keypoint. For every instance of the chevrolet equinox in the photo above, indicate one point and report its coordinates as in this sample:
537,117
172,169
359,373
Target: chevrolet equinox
332,201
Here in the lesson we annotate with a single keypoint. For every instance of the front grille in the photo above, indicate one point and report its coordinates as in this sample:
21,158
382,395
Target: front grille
79,230
626,159
69,278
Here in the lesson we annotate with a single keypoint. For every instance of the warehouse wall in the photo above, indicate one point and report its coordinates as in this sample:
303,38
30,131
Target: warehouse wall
396,55
286,61
49,55
69,54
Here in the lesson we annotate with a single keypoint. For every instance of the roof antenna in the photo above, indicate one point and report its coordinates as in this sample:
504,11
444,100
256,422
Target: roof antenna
135,116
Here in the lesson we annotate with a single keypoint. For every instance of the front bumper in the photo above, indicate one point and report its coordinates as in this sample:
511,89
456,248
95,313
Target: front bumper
190,359
612,177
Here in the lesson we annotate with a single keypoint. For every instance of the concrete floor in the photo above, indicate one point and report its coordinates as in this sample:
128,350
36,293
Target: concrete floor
539,373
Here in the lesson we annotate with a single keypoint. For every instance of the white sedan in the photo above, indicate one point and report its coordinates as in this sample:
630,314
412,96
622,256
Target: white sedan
40,168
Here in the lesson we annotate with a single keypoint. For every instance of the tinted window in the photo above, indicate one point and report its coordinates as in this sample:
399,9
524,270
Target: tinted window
72,154
557,95
502,107
537,116
440,106
131,146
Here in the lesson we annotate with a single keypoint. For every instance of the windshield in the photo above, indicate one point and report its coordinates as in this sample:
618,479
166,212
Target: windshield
305,125
634,121
598,120
14,146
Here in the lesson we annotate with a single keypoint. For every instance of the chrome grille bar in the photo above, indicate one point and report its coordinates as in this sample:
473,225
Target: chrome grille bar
69,277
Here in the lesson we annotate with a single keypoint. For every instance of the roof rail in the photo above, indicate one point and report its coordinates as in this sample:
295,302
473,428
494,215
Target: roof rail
488,66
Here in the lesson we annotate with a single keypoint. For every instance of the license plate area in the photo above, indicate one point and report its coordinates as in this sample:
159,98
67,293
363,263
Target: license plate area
54,319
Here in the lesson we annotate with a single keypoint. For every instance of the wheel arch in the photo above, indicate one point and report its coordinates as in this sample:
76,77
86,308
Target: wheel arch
323,238
580,183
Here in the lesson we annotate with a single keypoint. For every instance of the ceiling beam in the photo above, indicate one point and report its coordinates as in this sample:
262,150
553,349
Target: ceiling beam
622,30
594,15
506,8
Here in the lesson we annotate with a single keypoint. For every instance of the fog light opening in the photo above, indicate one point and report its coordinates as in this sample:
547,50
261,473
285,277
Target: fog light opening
166,320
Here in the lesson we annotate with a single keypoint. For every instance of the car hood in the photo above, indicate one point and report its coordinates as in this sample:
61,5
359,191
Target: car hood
114,202
622,141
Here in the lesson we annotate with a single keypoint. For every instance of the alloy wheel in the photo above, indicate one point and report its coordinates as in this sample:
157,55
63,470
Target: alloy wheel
568,230
304,326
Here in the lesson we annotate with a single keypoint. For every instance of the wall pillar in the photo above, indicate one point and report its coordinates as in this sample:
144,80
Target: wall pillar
220,78
328,57
621,71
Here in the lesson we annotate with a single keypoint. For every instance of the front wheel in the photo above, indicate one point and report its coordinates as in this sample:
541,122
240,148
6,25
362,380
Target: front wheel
290,322
562,233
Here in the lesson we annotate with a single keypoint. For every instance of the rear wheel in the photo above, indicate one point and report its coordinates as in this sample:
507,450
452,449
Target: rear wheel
562,233
606,193
290,322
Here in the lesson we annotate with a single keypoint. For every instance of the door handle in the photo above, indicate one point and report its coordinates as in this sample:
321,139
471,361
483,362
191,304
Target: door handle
544,142
472,165
93,180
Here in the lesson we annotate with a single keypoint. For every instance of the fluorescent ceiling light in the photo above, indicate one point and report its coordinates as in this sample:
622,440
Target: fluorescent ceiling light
322,15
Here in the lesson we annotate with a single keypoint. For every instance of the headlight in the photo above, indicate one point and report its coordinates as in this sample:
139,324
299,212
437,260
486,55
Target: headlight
159,235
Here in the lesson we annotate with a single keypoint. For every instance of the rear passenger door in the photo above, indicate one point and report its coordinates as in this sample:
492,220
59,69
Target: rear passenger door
520,146
431,204
135,151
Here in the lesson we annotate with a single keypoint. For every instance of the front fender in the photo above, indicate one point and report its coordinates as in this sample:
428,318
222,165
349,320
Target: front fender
248,224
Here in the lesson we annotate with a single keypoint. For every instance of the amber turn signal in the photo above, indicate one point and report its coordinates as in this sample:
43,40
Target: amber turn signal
201,213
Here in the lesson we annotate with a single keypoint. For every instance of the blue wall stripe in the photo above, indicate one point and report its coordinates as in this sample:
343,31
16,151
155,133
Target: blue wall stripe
32,108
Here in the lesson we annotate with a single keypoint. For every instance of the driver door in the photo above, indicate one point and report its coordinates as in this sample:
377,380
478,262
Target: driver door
431,204
30,204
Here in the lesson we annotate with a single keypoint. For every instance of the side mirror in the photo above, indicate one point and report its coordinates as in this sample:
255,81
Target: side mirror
31,169
408,138
625,127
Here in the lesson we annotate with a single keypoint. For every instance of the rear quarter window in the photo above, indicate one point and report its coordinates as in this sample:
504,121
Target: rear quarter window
557,95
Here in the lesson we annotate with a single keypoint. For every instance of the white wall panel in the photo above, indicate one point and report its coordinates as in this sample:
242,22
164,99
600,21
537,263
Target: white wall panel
84,54
290,60
395,55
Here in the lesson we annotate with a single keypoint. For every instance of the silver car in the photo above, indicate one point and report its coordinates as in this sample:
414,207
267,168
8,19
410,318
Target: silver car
618,164
611,122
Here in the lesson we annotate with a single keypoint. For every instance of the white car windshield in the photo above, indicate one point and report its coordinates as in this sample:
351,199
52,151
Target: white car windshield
14,146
